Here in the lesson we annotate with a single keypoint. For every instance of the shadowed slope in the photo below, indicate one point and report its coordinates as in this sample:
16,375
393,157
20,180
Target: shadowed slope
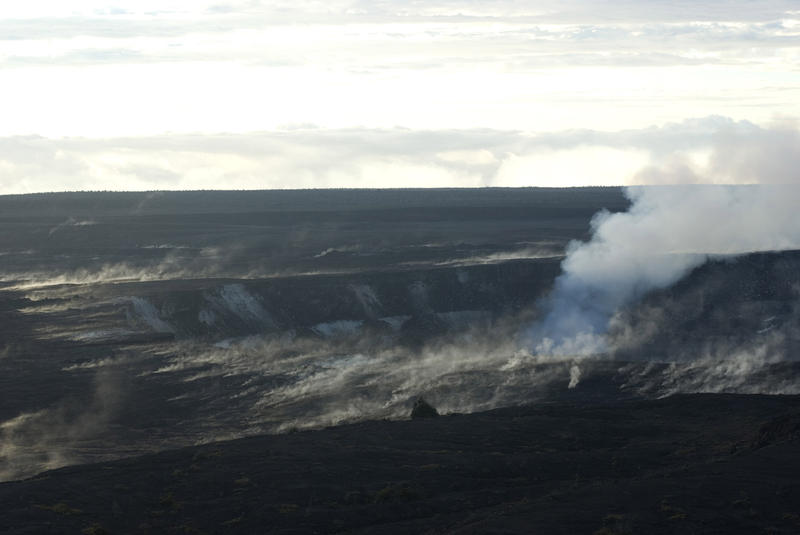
686,464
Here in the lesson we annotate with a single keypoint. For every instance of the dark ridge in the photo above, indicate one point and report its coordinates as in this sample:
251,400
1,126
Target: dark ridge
314,200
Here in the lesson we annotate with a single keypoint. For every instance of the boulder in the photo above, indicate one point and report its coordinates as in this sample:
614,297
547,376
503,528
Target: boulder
423,410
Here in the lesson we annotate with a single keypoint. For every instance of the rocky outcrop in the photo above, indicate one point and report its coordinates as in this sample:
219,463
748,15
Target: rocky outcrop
422,409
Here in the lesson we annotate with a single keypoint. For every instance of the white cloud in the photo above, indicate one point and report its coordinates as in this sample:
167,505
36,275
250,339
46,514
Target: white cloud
565,70
717,149
242,66
579,166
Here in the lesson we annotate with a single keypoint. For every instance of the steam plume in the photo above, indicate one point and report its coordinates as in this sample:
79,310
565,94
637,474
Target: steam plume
667,232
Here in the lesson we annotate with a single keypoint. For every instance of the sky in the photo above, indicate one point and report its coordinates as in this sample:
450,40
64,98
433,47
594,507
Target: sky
249,94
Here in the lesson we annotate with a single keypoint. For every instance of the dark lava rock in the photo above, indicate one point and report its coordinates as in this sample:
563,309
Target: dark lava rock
656,467
781,429
423,410
416,330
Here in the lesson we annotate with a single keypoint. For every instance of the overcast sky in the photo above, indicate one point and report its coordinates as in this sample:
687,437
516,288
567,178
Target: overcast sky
186,94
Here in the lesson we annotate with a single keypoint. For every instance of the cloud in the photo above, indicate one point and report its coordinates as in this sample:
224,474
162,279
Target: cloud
380,35
711,150
244,66
738,153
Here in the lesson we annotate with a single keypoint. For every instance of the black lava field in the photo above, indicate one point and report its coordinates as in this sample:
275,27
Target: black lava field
247,362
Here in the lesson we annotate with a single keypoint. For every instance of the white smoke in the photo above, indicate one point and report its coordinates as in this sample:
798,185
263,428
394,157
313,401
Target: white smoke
667,231
56,436
574,376
145,313
71,222
368,299
236,299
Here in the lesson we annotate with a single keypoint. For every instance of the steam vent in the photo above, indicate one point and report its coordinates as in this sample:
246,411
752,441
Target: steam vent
422,409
